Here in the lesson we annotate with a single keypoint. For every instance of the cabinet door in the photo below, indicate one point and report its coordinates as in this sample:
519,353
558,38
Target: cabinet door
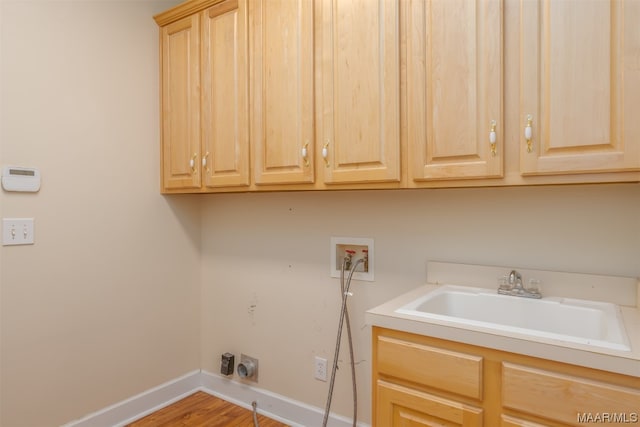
360,90
181,104
282,120
400,406
564,398
454,89
580,82
225,139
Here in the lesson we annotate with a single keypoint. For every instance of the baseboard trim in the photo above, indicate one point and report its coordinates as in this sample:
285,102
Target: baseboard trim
272,405
142,404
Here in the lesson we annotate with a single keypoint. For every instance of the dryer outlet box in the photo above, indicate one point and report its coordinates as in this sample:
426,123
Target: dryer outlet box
226,365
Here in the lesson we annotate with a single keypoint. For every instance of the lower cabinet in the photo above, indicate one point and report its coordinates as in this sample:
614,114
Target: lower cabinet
403,406
425,381
568,399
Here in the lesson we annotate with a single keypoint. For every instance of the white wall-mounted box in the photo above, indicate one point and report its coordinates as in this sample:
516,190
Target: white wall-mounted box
17,178
338,248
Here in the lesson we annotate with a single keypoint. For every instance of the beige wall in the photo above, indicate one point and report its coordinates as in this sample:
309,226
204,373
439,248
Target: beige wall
126,289
105,304
265,260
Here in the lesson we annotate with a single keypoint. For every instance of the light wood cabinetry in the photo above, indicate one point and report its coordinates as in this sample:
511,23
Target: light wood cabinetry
459,373
507,421
580,83
282,101
359,129
455,89
426,381
204,96
563,397
423,385
261,95
225,114
180,101
402,406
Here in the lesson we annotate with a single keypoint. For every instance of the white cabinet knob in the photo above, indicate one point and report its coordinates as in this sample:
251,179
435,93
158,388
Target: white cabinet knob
528,133
305,153
325,153
493,137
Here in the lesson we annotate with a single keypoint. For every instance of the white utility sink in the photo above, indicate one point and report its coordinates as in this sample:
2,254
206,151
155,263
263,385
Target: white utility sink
571,320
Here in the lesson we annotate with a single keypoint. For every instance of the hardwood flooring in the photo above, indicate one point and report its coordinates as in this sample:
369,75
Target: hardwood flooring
203,410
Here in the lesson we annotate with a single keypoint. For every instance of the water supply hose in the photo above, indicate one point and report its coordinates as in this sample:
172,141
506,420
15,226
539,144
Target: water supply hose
344,316
254,404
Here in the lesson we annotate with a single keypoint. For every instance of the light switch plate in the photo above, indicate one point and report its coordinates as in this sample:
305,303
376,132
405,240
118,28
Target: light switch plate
17,231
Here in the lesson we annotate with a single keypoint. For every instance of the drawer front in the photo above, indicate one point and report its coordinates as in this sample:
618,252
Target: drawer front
400,406
430,366
507,421
566,398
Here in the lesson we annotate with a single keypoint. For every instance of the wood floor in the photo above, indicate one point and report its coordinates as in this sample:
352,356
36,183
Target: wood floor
203,410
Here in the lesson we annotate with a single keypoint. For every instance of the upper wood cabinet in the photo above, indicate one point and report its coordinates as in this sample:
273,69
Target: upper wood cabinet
204,96
359,129
180,100
580,86
282,88
454,89
262,95
225,108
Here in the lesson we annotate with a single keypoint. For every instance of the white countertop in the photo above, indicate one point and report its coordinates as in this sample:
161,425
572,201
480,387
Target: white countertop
622,362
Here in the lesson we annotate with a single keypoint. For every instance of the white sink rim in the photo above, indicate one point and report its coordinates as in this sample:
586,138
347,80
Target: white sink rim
616,339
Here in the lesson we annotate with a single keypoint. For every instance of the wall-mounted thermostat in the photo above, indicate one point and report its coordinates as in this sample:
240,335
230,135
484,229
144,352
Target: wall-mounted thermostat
16,178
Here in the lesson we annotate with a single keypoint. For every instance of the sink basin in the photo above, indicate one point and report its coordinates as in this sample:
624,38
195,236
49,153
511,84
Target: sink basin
571,320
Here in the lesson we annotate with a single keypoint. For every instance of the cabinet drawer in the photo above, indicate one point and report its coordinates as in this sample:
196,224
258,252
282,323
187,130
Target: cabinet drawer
401,406
564,398
507,421
430,366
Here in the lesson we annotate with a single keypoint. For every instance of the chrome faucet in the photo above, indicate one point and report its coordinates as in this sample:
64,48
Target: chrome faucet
515,280
513,286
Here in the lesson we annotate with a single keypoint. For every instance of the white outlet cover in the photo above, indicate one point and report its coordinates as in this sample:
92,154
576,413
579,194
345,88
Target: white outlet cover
320,368
17,231
349,241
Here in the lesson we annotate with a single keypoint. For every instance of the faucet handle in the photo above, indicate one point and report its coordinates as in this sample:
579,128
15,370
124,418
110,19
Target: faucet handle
503,282
534,285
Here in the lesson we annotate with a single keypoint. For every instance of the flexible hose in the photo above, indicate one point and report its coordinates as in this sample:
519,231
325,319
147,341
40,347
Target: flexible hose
352,361
254,404
344,315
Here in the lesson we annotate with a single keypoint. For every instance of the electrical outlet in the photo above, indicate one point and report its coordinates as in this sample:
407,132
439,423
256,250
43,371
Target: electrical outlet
320,369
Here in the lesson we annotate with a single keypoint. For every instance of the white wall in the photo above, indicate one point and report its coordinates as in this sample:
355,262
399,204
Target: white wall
265,259
105,304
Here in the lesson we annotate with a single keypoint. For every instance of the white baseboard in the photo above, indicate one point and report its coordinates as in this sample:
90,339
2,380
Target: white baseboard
272,405
142,404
